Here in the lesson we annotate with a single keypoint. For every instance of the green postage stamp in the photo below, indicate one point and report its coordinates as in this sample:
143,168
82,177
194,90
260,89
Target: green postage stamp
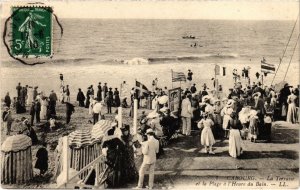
31,31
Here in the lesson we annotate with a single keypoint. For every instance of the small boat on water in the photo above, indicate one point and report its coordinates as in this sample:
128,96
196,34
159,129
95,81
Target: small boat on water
188,37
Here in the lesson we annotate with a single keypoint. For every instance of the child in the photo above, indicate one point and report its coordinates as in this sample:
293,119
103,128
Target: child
253,125
207,138
268,126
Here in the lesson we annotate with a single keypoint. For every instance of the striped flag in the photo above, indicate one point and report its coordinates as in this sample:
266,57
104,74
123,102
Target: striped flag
267,68
141,87
178,76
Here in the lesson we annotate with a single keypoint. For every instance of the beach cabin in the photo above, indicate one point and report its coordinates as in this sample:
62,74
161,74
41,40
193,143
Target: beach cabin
16,161
83,148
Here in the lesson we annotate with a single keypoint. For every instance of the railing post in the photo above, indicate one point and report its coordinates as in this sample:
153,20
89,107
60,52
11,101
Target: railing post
65,152
135,105
120,117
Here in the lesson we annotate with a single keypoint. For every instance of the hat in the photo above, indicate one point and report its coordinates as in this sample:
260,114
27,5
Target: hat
149,131
205,98
229,103
110,88
256,94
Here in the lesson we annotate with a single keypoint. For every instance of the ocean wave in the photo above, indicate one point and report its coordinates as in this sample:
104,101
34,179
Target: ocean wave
156,60
193,57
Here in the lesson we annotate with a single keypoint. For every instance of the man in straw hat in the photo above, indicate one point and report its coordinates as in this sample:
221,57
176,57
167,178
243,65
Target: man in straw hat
149,148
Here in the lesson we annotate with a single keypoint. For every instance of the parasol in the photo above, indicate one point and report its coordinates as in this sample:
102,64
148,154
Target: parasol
100,128
80,138
97,107
163,99
16,143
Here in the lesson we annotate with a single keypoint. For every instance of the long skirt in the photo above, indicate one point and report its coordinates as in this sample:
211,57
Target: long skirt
207,137
235,143
43,113
292,115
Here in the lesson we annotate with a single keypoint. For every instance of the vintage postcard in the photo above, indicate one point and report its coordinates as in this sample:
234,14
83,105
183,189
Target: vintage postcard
150,94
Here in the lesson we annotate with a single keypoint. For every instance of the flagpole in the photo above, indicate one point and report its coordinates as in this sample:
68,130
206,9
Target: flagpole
172,77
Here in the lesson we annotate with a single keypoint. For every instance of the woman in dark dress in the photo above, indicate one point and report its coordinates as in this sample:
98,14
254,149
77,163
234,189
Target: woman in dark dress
130,170
114,148
29,131
42,159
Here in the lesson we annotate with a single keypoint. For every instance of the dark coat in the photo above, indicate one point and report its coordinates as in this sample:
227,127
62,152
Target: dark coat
80,96
42,159
7,100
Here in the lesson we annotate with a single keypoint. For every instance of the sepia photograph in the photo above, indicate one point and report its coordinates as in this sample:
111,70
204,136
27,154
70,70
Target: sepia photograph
148,94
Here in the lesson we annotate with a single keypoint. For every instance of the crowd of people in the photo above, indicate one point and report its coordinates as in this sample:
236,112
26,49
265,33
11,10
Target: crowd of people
245,113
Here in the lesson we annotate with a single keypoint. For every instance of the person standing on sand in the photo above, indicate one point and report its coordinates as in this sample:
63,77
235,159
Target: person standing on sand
29,131
69,111
35,93
80,98
52,102
109,101
44,105
7,100
19,87
67,93
186,114
99,92
105,89
149,149
32,112
189,75
7,120
88,93
37,110
117,101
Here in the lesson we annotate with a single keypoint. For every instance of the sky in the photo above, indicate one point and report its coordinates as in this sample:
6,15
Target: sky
202,9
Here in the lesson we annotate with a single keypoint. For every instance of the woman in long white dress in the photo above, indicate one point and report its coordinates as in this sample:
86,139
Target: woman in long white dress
292,115
29,95
44,104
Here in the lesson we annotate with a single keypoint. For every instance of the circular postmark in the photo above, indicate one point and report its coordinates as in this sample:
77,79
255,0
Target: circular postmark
28,33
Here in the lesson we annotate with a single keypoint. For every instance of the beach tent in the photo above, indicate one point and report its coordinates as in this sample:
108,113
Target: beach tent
100,129
16,161
84,149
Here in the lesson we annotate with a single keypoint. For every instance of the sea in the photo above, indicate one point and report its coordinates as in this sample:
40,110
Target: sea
112,50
